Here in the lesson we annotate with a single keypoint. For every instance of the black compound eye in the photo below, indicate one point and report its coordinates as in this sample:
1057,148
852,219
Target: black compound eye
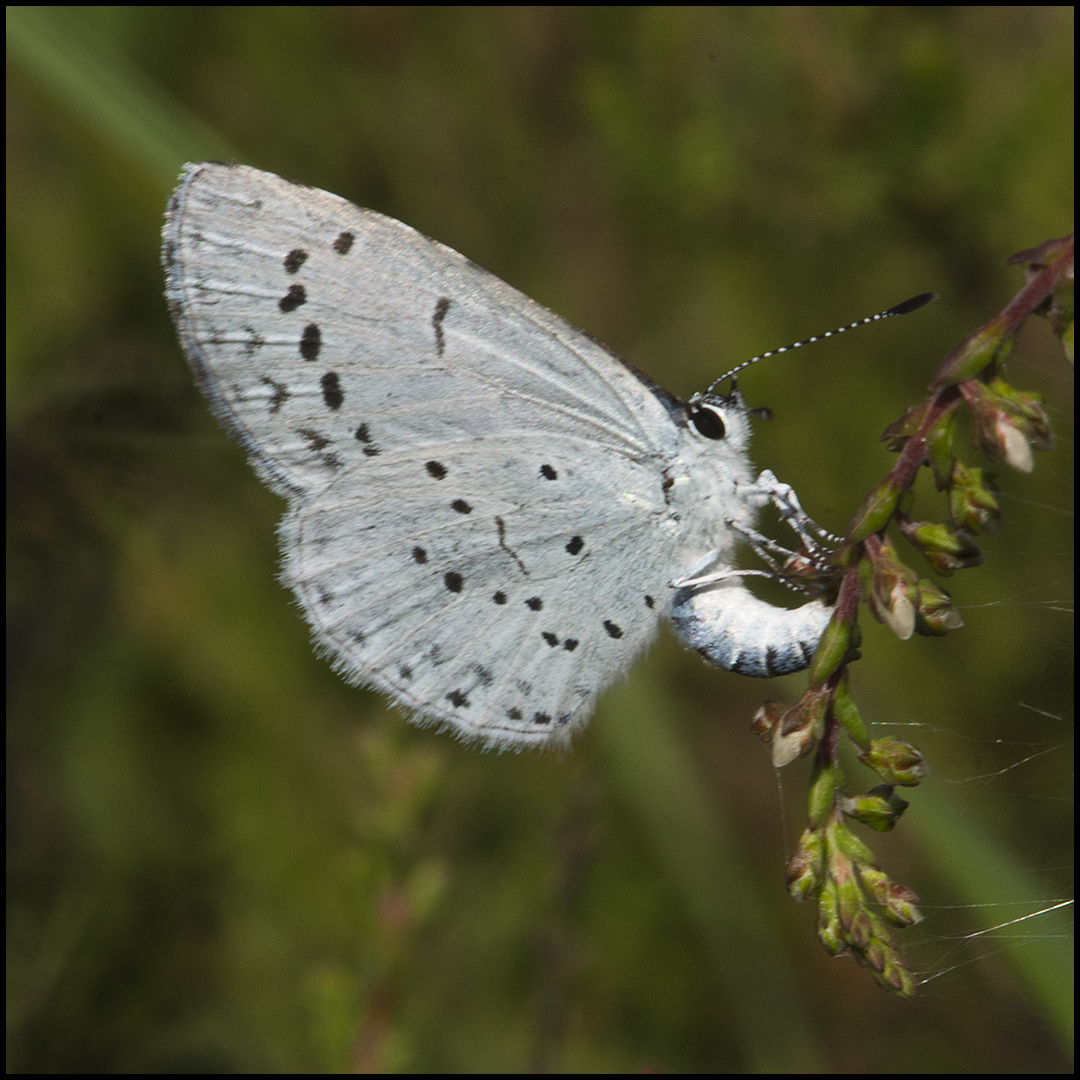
708,422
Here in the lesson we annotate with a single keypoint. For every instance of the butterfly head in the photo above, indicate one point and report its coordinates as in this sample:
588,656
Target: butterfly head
722,418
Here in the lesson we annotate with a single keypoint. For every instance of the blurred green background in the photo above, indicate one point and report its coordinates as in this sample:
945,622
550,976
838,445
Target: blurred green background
220,857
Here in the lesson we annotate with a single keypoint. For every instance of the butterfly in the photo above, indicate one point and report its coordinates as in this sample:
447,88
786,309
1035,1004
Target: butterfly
489,512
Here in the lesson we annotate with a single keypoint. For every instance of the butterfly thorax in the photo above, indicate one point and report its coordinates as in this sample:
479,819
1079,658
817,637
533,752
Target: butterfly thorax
710,469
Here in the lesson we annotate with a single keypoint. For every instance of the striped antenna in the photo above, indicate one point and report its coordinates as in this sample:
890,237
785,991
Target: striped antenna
905,308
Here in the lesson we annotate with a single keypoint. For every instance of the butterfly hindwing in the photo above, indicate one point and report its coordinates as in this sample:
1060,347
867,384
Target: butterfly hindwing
493,610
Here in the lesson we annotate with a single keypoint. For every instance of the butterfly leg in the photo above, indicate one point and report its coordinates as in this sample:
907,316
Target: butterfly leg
813,537
768,489
714,613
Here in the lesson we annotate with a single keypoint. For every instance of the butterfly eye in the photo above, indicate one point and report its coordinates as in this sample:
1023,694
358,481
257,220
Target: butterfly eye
708,423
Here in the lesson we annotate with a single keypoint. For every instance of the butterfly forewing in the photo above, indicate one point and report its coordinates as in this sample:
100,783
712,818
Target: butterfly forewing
292,302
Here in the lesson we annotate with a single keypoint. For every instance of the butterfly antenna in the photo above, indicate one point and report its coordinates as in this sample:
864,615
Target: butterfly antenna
905,308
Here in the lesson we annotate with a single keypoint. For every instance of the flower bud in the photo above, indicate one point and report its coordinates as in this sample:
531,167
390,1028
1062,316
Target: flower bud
973,500
936,614
800,728
880,808
895,762
946,549
893,589
803,873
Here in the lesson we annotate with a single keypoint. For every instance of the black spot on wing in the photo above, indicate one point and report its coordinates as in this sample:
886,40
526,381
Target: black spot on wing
311,342
343,243
441,308
294,298
500,525
294,260
314,440
253,343
317,444
363,435
332,393
279,395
